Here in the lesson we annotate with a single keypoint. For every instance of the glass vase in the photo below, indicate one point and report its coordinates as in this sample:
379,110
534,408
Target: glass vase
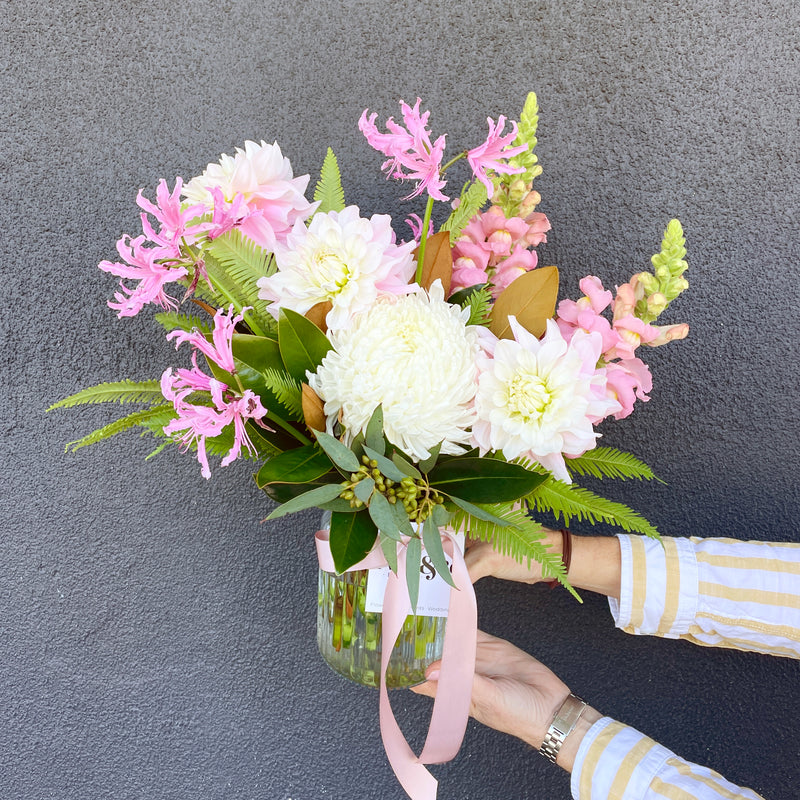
349,636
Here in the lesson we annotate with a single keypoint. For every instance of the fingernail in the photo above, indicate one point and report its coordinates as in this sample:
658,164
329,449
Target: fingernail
433,675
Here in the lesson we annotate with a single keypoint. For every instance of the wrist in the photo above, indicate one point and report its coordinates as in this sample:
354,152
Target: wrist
596,564
569,750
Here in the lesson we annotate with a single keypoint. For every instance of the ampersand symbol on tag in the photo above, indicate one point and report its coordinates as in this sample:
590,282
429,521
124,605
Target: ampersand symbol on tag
427,569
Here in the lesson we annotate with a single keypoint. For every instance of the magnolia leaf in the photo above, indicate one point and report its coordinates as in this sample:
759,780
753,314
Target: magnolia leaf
300,465
302,344
531,298
318,314
313,409
483,480
352,537
438,262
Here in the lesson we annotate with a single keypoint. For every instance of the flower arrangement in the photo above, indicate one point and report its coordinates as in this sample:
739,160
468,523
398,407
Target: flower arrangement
401,385
409,388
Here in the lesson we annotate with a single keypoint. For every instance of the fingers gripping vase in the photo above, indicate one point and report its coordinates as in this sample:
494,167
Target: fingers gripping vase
349,632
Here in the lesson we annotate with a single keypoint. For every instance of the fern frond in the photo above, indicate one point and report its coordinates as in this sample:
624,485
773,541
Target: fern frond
568,501
521,539
328,191
118,392
173,320
152,418
234,265
472,199
287,390
479,303
608,462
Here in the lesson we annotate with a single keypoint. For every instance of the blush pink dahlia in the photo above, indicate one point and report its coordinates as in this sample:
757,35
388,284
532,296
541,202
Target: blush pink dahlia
272,199
342,258
539,400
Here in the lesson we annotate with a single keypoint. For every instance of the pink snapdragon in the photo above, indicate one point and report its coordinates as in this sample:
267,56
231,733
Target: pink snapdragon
494,153
195,423
411,156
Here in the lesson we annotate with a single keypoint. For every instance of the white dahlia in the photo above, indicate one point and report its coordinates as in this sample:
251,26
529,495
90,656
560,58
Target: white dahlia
342,258
273,199
414,355
540,399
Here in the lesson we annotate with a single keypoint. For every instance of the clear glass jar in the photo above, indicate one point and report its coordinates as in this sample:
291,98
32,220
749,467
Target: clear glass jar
349,637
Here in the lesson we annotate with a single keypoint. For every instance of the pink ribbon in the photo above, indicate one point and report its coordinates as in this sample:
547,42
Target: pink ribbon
451,706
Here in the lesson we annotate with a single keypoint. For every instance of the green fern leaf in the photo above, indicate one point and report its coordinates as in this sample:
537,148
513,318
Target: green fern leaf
568,501
521,539
154,419
287,390
473,197
173,320
608,462
119,392
479,303
234,265
328,191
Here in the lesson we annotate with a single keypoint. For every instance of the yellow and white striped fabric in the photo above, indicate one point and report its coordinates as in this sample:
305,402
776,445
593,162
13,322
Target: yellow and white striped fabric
714,592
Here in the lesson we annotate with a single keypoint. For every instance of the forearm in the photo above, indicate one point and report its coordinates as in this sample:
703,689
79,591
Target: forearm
595,564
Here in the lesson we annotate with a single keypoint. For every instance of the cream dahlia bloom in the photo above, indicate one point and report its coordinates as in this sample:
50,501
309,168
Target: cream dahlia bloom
540,399
414,355
342,258
272,198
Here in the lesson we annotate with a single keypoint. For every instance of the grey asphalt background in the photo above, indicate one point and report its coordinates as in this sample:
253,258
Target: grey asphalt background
156,640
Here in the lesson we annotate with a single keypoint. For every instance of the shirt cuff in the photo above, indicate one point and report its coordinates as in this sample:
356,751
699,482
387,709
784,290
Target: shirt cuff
658,586
614,759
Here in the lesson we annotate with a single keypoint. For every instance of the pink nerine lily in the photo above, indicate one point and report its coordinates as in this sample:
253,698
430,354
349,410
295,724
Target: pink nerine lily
492,154
195,423
411,154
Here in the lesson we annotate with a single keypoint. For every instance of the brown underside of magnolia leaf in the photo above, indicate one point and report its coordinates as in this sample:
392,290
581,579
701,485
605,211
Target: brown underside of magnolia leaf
531,298
318,314
313,409
438,263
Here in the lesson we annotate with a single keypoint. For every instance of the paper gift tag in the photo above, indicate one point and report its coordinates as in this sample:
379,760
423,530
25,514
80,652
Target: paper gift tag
434,591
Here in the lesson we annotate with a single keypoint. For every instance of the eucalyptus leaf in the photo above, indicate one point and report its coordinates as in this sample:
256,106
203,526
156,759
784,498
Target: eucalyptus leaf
432,540
363,489
386,466
389,547
339,453
479,513
441,516
310,499
401,518
352,537
374,433
380,509
426,465
413,557
406,467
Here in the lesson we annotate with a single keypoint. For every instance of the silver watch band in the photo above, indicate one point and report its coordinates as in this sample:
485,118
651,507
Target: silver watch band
563,722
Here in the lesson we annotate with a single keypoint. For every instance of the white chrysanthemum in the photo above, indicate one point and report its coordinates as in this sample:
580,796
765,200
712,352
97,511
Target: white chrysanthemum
539,399
414,355
341,258
264,179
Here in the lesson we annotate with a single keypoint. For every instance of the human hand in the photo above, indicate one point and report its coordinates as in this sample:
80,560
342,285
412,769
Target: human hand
514,693
484,561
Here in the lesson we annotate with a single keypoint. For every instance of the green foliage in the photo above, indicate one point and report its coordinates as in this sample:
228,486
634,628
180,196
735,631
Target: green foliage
173,320
301,465
483,480
286,390
521,538
526,134
234,265
328,191
608,462
125,391
302,344
570,501
473,197
479,303
352,537
340,454
154,419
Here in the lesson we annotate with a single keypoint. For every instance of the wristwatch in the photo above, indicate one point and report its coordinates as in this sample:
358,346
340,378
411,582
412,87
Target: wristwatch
562,725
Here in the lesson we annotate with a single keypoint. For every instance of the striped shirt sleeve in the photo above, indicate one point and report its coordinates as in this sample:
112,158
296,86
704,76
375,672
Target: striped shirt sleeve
616,762
714,592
